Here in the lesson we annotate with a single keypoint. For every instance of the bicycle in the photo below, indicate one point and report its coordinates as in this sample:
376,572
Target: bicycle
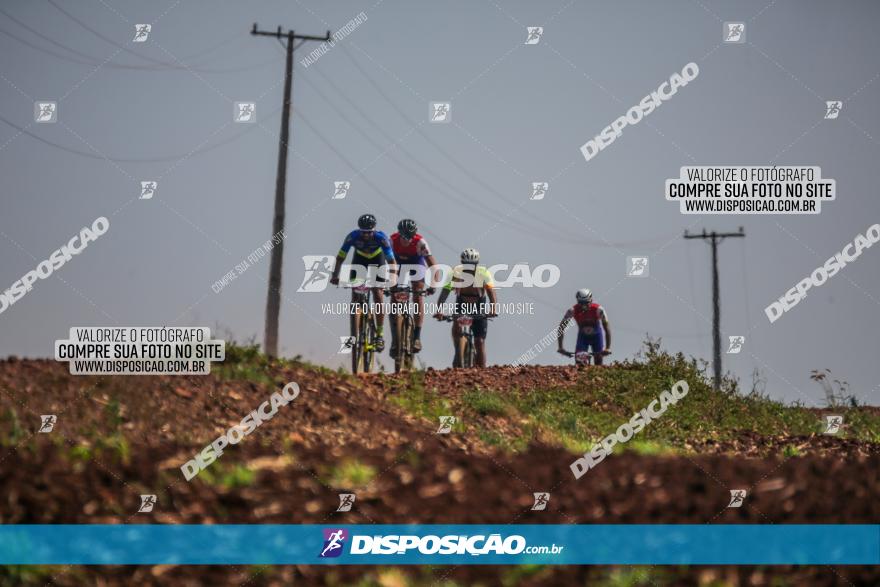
363,328
583,358
404,327
468,356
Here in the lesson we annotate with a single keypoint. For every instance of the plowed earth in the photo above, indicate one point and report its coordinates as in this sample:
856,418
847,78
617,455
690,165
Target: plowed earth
75,475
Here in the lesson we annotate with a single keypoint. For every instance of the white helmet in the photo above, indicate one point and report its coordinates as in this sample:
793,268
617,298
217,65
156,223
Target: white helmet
470,256
584,296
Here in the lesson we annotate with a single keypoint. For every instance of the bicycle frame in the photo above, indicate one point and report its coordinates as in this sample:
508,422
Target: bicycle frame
363,328
468,354
404,327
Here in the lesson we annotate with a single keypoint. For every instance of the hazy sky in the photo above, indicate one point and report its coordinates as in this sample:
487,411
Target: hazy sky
163,110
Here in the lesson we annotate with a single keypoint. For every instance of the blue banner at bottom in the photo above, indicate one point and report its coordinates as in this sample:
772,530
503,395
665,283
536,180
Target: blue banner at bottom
276,544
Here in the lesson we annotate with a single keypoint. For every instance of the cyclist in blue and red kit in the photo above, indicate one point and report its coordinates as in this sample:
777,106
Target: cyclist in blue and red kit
411,249
372,250
594,332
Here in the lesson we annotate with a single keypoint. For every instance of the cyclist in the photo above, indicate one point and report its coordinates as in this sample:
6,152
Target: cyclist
594,332
473,284
372,249
410,248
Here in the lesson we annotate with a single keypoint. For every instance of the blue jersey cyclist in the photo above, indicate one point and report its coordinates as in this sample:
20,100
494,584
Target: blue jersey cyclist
372,251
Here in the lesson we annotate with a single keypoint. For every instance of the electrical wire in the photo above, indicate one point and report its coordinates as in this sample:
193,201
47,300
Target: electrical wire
91,61
482,183
166,159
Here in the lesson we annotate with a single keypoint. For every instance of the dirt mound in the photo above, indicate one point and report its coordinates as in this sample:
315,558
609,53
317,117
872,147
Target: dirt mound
343,435
496,378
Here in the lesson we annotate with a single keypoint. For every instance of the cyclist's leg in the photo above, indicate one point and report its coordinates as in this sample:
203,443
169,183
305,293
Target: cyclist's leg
582,345
598,345
379,298
457,342
419,317
479,328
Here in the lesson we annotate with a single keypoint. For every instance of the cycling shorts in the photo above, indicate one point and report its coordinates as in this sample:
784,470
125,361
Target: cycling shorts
594,342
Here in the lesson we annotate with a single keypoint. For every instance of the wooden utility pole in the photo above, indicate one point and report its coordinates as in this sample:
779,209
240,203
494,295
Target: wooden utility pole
273,298
714,239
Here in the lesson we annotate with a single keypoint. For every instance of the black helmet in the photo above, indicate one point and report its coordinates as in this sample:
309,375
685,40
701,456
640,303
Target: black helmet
407,227
367,222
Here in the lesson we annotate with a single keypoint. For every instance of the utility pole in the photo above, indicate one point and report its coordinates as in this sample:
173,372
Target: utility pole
273,298
715,239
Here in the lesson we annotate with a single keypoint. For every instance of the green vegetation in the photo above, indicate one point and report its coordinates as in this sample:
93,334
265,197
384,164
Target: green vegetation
349,474
577,417
417,400
227,475
13,433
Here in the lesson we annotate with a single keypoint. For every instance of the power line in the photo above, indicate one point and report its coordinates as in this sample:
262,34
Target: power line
91,61
558,234
166,159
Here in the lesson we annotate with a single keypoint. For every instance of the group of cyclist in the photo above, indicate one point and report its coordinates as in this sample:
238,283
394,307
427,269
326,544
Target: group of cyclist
472,283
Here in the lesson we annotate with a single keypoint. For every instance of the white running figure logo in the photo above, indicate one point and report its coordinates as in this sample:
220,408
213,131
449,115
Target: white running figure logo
333,542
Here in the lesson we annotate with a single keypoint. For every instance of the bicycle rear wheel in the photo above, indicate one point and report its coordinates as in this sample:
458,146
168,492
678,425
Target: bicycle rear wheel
403,360
357,348
369,328
469,352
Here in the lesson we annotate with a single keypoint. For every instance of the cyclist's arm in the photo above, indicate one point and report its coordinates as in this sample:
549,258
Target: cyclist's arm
560,333
340,257
607,328
493,299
